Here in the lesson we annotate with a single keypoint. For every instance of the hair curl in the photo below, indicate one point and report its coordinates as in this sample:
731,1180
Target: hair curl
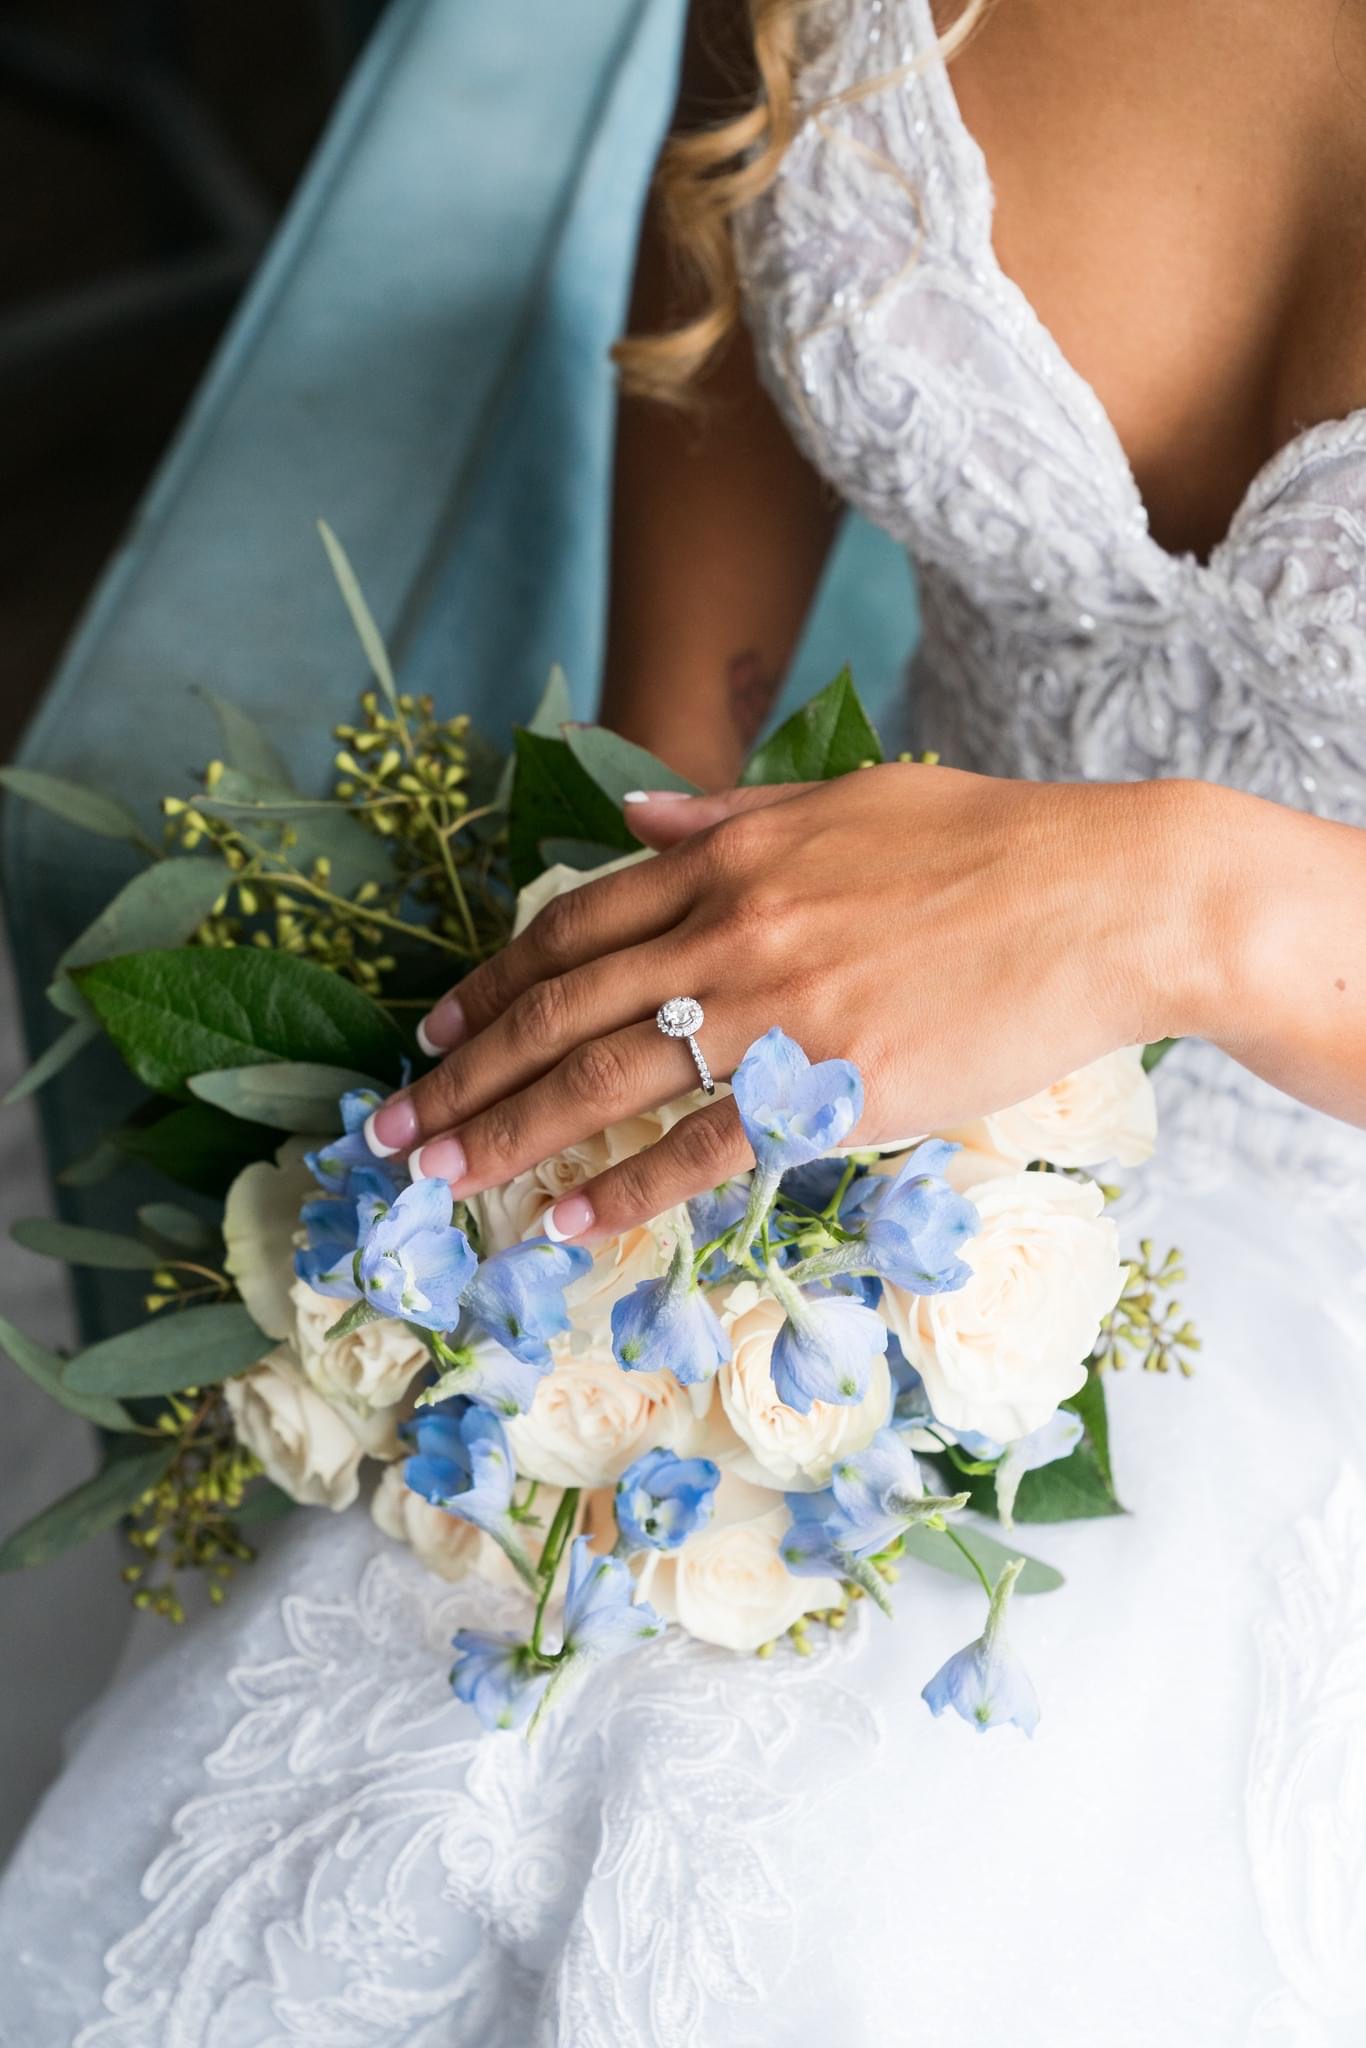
706,174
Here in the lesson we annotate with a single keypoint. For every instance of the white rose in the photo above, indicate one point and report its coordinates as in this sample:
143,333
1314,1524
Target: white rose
446,1544
260,1218
300,1439
1104,1111
999,1355
728,1584
776,1446
366,1375
590,1419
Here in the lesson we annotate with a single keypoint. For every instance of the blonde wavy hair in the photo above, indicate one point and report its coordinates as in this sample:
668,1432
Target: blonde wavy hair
707,174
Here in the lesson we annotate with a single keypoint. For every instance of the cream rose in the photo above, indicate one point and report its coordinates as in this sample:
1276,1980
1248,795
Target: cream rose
560,880
590,1419
300,1439
728,1584
999,1355
772,1445
444,1544
366,1376
1104,1111
260,1218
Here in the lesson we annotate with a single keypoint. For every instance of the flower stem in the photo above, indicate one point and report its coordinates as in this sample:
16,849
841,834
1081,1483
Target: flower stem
762,1190
556,1537
830,1213
982,1578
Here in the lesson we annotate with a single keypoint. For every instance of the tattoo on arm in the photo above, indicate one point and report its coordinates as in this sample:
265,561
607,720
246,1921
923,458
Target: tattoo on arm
750,690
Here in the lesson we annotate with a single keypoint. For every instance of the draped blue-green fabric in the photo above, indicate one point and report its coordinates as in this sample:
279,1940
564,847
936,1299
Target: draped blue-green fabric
422,361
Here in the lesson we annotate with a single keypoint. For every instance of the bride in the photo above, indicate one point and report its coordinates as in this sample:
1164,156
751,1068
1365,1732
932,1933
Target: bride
1077,321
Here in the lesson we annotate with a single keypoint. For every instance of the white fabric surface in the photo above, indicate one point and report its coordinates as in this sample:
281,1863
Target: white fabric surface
283,1832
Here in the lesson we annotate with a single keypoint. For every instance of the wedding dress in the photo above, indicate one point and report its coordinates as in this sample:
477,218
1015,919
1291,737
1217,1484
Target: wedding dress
282,1833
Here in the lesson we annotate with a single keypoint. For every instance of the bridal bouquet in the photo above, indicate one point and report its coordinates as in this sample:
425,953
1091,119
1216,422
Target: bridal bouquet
736,1420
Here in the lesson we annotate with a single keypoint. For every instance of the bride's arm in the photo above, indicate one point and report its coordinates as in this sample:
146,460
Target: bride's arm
719,532
965,940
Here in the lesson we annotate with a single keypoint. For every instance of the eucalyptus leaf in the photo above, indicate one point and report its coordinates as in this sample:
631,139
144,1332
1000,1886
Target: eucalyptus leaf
177,1227
64,995
289,1095
81,1247
63,1049
367,632
245,744
99,1504
45,1369
554,798
829,736
617,765
319,829
90,809
174,1015
193,1347
88,1169
163,906
927,1546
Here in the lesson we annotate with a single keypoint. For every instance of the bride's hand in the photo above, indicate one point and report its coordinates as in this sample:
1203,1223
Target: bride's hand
964,940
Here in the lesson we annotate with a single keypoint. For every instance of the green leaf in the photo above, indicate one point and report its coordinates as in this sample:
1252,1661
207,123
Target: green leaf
554,798
200,1147
193,1347
163,906
616,765
45,1369
367,632
59,1054
90,809
576,853
177,1014
1077,1488
829,736
290,1095
1155,1053
177,1227
928,1547
97,1505
82,1247
245,745
554,710
265,1502
88,1169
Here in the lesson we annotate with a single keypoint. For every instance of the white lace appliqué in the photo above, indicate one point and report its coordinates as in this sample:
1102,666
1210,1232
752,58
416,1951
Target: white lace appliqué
1306,1791
369,1870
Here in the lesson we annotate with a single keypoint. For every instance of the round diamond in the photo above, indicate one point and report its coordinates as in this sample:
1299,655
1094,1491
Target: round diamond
679,1017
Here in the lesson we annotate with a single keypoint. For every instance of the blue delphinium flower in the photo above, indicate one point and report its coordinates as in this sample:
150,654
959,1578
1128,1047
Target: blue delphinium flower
483,1371
601,1615
1054,1439
986,1682
713,1215
335,1226
414,1263
669,1325
911,1227
910,1401
793,1111
518,1295
663,1499
825,1349
494,1675
873,1497
334,1163
462,1462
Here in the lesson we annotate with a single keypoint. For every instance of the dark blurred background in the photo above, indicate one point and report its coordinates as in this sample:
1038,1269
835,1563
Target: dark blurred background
147,147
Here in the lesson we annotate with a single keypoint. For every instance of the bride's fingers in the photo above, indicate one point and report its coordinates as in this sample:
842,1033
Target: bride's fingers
538,1030
663,817
698,1153
601,917
600,1083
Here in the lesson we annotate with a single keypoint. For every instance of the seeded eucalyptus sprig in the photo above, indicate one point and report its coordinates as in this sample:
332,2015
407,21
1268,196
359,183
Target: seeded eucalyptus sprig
185,1522
1143,1324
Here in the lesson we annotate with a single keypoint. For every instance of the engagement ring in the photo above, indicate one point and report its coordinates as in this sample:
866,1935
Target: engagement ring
682,1017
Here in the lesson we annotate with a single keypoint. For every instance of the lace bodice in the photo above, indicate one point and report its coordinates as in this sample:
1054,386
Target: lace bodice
1060,640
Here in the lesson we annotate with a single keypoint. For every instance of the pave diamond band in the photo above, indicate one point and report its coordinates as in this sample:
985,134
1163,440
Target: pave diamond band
683,1017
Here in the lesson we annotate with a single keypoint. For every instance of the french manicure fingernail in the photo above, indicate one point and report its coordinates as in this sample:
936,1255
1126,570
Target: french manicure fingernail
443,1028
439,1159
391,1128
569,1218
657,796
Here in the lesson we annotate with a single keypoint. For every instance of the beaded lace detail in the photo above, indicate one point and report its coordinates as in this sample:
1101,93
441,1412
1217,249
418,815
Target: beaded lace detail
1059,639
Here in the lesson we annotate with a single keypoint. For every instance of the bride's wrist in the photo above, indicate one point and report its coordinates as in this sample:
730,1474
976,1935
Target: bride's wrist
1208,920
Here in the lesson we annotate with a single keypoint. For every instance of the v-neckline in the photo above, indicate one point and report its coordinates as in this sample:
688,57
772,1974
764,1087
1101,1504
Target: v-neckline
1265,479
